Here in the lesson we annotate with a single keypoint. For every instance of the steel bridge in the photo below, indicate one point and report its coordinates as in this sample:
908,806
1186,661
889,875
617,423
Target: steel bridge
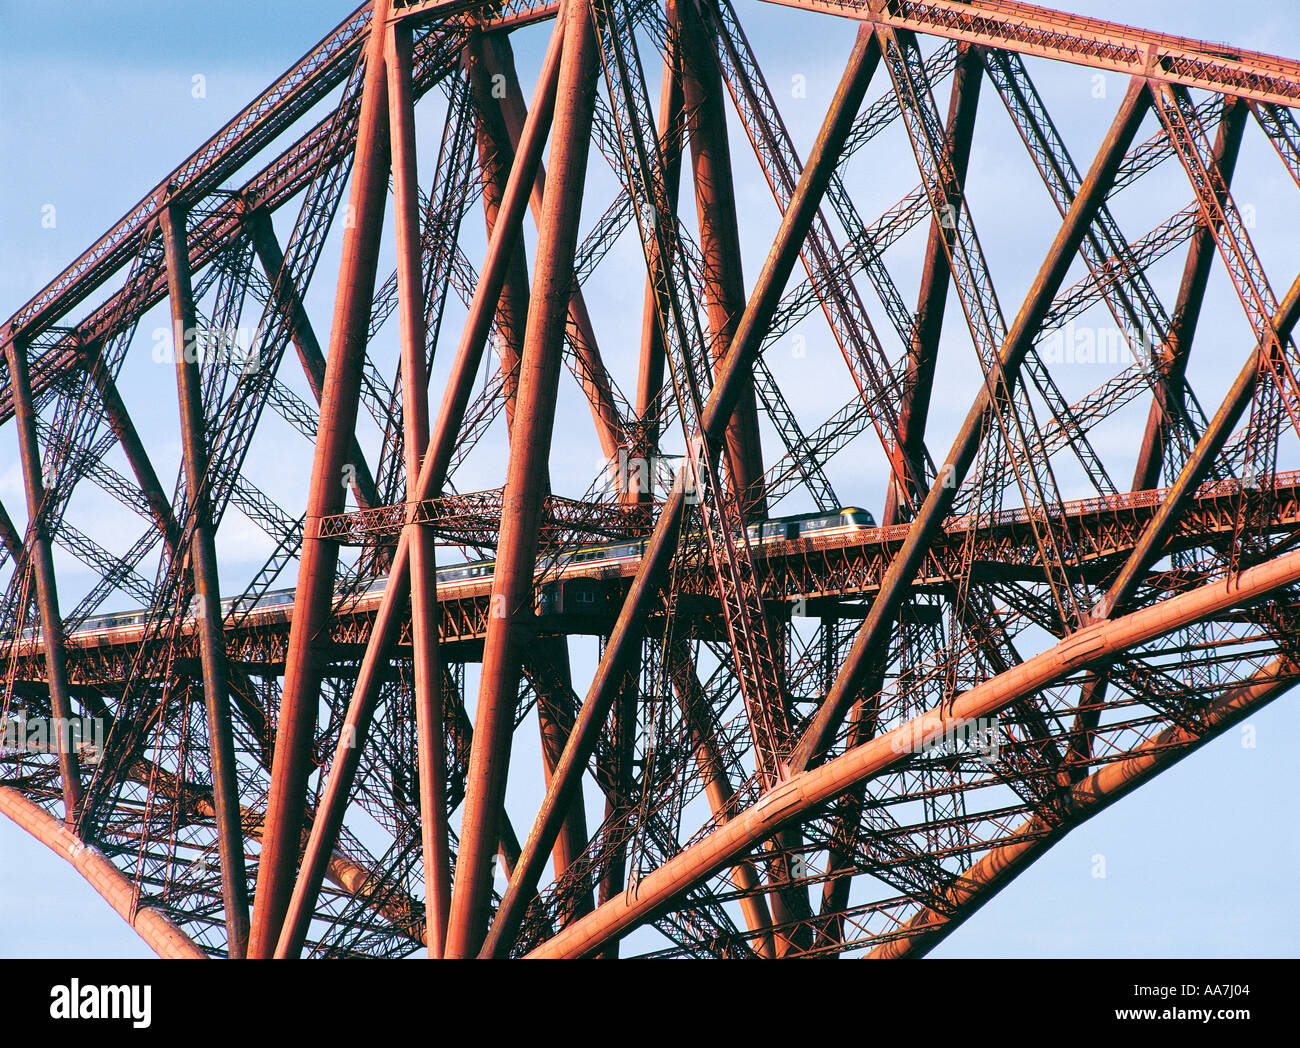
786,743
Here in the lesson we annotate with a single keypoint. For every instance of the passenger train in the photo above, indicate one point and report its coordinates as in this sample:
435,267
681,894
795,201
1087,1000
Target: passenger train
780,529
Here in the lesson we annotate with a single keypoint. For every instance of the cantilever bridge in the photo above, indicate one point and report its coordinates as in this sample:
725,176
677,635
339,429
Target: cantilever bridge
767,747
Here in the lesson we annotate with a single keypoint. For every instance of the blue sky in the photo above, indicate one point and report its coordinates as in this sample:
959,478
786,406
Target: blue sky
97,103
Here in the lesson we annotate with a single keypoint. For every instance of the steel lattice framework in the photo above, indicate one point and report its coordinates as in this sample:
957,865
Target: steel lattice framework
746,770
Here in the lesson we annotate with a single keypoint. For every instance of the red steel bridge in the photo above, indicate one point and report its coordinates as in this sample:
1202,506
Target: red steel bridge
792,735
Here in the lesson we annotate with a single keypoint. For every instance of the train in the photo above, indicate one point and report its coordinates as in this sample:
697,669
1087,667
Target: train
568,595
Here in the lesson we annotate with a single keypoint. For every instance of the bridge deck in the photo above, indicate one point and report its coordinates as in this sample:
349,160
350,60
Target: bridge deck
823,571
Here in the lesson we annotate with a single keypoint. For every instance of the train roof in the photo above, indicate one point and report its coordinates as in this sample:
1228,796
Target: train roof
817,513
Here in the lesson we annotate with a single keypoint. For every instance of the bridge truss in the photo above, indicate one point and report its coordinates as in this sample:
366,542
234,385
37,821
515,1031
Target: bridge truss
770,753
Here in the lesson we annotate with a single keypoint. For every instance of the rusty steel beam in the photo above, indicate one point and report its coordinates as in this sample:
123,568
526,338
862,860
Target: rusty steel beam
433,473
652,357
512,622
923,350
42,565
207,585
1013,853
624,641
434,832
1092,42
152,925
319,560
513,14
715,203
914,406
1156,535
551,655
495,153
874,631
1169,400
342,871
9,535
261,232
119,420
596,382
720,793
808,790
1187,310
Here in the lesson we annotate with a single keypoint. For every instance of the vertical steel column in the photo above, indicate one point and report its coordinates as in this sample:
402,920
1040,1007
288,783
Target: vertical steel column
625,640
596,383
553,654
433,472
415,419
47,594
207,584
724,283
650,371
308,636
495,151
512,623
500,129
